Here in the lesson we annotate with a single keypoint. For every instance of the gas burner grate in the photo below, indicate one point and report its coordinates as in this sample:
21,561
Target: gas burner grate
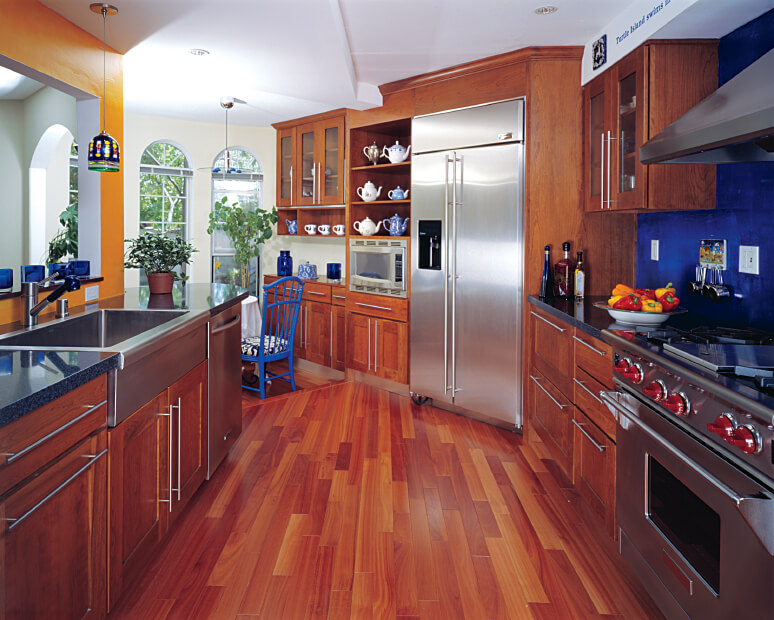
731,335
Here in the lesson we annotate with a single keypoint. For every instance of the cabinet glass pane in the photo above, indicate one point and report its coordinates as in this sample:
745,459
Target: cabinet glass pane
627,127
286,163
331,172
307,164
596,131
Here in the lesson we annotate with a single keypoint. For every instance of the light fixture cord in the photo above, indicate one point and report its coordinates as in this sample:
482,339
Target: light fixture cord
104,66
227,158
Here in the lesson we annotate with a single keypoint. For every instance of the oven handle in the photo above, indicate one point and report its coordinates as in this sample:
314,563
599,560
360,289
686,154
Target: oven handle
757,511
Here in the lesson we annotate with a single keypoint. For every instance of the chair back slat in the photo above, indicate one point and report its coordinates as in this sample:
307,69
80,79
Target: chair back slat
280,316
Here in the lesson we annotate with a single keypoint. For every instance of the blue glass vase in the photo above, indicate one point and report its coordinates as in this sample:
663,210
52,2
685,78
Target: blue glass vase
284,264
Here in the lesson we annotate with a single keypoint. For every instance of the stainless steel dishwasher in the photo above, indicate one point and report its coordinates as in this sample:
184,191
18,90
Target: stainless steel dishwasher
225,385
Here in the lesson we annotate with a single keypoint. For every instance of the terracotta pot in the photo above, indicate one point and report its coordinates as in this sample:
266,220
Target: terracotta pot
160,283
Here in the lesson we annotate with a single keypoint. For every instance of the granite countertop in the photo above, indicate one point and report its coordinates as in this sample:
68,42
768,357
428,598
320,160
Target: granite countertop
319,280
30,379
582,314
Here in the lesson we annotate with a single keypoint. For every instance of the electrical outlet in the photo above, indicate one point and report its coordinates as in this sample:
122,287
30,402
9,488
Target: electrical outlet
91,293
654,249
748,259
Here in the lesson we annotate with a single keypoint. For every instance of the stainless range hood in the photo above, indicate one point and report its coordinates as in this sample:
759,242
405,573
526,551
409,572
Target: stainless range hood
733,124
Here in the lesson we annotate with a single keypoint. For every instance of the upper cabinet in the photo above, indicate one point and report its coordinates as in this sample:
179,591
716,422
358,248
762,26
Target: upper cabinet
629,104
310,162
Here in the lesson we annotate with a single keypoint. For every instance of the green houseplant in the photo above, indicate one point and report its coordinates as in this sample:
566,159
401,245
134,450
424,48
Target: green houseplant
247,229
158,255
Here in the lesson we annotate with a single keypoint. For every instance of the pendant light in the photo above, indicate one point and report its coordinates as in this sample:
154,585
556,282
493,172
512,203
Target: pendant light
226,103
104,153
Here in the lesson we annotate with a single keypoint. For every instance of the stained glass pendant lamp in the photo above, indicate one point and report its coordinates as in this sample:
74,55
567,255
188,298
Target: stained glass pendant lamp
104,153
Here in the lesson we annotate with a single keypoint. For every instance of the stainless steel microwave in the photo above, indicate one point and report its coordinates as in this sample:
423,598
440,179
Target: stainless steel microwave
377,266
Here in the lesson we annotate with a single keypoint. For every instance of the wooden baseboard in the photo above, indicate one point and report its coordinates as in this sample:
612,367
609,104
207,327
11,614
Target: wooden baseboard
385,384
318,369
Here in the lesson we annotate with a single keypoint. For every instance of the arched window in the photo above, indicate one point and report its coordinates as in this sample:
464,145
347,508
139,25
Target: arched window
165,186
238,175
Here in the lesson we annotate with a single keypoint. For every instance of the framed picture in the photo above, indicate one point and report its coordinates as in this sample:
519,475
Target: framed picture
599,52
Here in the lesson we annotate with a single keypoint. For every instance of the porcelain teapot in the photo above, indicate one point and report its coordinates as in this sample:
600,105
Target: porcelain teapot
369,192
395,225
372,153
396,153
398,193
367,227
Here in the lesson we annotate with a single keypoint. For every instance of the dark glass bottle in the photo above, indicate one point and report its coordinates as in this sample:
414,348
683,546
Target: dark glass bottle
284,264
564,271
547,283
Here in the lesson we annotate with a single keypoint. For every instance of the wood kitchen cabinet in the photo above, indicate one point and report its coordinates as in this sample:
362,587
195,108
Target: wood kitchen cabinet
551,413
377,346
338,337
630,103
53,535
157,462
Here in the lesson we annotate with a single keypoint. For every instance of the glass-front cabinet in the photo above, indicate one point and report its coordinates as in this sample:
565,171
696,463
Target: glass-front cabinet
285,167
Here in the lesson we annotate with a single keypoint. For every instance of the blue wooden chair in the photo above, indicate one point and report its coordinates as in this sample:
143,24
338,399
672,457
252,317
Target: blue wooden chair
281,305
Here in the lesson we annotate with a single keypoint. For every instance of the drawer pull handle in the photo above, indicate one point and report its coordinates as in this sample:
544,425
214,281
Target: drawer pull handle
316,293
558,404
12,456
339,297
233,321
556,327
372,306
583,342
93,459
583,385
589,437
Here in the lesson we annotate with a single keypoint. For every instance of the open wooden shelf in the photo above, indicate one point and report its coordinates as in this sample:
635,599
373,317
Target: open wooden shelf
356,236
403,164
362,203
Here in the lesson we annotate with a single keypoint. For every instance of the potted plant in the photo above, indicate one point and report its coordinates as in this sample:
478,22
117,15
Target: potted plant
247,229
158,255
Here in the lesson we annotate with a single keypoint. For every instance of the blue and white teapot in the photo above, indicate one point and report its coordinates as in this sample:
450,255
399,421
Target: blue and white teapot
396,153
398,193
395,225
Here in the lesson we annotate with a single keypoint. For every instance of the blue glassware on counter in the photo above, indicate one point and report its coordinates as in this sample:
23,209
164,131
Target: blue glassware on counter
307,271
32,273
284,264
6,278
64,269
80,267
334,271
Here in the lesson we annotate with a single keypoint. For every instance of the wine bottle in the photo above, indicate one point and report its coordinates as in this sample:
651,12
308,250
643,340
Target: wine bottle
580,277
546,283
563,272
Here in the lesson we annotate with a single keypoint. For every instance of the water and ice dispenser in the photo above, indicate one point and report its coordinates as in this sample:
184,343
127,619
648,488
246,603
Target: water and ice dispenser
430,244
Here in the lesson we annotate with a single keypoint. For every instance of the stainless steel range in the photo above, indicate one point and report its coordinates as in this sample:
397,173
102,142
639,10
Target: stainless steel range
695,468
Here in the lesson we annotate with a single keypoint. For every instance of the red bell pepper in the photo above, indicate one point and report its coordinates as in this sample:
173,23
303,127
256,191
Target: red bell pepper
648,293
669,302
628,302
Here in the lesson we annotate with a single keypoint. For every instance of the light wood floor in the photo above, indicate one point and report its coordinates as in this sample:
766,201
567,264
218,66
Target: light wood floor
348,501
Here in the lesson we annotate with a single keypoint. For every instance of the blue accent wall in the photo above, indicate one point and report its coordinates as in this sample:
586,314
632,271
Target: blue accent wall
744,215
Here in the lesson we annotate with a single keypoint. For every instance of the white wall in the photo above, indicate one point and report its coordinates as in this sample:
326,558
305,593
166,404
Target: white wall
202,142
12,178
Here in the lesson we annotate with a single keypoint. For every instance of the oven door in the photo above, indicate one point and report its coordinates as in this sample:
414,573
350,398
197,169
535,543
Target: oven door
699,532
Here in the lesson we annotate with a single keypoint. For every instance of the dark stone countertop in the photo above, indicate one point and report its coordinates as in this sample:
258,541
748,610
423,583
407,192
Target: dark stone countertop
30,379
318,280
581,314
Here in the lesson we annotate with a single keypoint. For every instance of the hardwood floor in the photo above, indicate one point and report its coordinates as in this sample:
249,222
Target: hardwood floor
346,501
278,387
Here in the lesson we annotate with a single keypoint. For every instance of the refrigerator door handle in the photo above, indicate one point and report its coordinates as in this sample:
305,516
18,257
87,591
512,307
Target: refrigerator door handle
446,386
455,203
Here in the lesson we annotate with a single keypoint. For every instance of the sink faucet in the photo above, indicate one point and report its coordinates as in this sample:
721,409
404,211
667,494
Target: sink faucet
30,292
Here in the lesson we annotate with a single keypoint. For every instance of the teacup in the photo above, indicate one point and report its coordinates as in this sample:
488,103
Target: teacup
339,229
311,229
324,229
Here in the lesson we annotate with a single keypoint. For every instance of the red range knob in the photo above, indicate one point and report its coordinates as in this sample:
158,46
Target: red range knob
724,425
678,404
621,366
746,438
634,373
656,390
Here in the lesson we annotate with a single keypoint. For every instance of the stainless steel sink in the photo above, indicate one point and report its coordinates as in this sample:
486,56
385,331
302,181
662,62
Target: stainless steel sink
101,329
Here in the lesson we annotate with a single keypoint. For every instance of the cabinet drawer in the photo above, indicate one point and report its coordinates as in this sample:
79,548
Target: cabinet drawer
587,398
594,357
317,292
378,306
552,414
553,349
35,439
338,296
594,469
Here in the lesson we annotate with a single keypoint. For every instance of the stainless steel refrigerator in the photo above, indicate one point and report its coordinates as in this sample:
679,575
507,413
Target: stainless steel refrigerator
467,258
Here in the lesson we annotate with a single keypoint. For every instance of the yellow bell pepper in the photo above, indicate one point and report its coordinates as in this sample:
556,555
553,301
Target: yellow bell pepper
622,289
651,306
613,299
667,289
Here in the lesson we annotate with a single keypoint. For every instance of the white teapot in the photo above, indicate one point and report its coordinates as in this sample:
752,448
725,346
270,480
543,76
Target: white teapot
369,192
396,153
367,227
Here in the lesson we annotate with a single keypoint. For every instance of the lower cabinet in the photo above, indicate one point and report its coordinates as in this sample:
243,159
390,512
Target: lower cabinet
158,459
377,346
338,338
552,416
317,332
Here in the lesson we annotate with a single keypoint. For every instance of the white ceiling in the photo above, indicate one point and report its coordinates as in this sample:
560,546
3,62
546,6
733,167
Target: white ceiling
290,58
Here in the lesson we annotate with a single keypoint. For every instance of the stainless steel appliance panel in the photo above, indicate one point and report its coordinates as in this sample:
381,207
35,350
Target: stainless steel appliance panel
490,123
225,385
486,232
430,366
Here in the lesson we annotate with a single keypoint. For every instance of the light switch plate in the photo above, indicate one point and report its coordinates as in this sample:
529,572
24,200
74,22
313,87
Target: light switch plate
91,293
654,249
748,259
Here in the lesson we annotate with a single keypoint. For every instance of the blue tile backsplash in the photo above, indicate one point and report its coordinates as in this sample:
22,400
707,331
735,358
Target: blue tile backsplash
744,214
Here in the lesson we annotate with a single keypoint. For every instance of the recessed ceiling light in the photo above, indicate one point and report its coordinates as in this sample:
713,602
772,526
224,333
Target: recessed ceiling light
197,51
546,10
